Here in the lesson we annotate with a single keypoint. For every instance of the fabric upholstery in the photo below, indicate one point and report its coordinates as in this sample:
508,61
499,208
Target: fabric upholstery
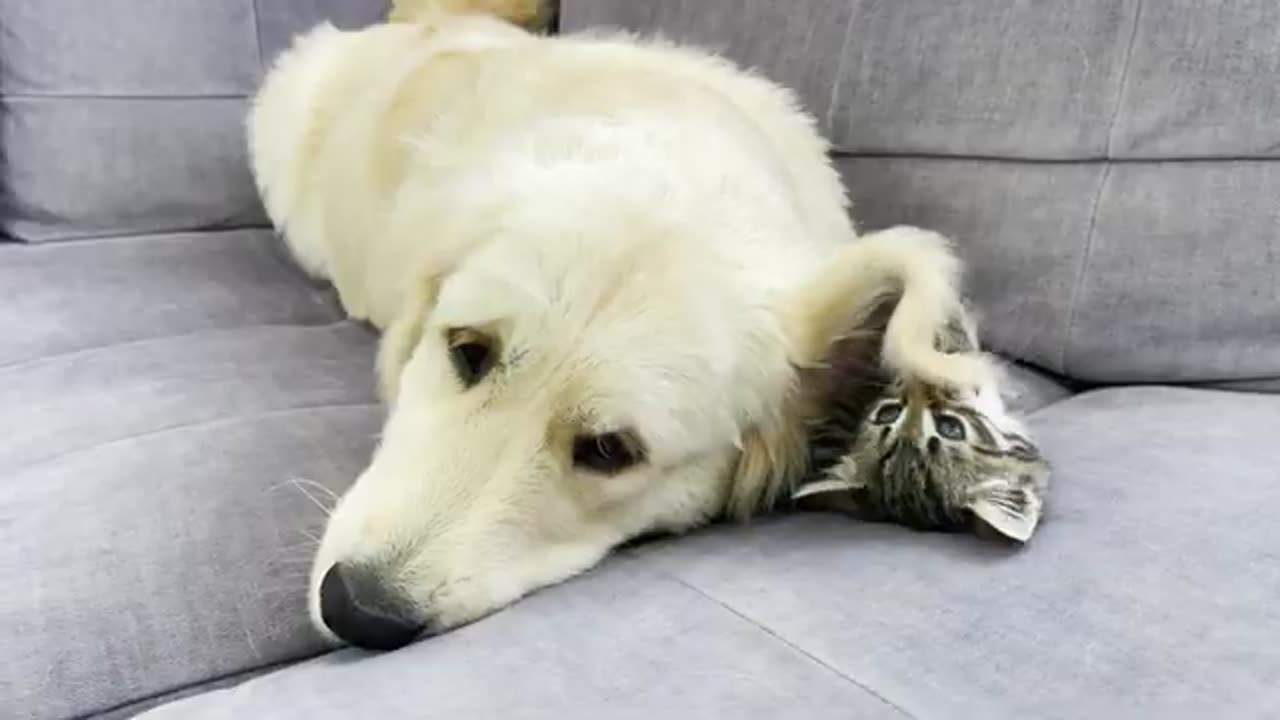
159,395
1201,82
160,390
1149,591
127,116
622,642
1004,78
1027,389
166,558
1108,168
70,297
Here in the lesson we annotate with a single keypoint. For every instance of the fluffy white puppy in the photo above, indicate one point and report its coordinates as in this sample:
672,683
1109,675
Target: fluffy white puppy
599,265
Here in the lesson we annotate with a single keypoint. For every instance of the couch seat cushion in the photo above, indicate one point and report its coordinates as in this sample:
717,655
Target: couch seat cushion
1148,592
159,397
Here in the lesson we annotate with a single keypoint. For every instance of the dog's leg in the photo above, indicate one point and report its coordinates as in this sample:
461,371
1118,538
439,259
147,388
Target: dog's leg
920,269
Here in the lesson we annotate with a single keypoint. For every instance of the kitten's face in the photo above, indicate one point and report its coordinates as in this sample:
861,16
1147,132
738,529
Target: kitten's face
932,460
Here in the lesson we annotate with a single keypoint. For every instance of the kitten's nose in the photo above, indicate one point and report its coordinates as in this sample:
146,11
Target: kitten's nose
362,609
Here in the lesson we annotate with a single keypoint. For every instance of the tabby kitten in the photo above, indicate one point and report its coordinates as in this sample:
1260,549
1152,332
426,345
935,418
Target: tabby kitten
930,458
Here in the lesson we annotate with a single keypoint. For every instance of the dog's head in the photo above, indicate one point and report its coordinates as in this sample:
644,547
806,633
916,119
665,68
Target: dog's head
550,400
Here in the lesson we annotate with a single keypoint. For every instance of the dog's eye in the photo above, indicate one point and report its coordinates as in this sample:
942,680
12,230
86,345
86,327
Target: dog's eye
471,354
608,453
887,414
949,426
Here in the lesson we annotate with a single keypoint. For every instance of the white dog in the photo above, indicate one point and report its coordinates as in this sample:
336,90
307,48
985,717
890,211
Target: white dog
599,265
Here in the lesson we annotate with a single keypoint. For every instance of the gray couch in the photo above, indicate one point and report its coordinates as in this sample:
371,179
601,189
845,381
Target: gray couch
1109,168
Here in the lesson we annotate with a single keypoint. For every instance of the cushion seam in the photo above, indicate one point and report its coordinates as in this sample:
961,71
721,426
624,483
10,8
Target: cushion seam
1074,301
837,85
788,643
78,95
198,424
263,669
74,237
256,15
839,154
26,362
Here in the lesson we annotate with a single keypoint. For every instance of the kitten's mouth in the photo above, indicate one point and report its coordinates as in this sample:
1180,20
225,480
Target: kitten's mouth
910,495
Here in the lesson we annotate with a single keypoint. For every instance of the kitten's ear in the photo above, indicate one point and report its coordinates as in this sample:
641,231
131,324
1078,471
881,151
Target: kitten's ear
1009,505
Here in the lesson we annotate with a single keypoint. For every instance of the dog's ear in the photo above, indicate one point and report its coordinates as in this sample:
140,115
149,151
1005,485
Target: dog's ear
403,334
773,456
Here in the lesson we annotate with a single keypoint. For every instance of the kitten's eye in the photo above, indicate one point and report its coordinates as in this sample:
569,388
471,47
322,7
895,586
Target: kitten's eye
472,354
607,454
949,426
887,414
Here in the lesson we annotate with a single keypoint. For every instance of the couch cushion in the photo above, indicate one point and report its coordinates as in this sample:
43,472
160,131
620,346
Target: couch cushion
1004,78
1027,389
1201,81
168,558
1108,168
621,642
1066,80
74,297
1149,591
79,401
1173,276
111,125
160,395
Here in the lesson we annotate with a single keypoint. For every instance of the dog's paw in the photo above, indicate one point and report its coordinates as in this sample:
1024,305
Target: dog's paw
968,372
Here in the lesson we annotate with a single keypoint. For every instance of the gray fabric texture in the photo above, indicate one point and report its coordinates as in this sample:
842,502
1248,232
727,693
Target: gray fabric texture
1027,389
168,558
1201,82
1149,591
621,642
126,116
159,394
69,297
1174,275
1107,167
997,78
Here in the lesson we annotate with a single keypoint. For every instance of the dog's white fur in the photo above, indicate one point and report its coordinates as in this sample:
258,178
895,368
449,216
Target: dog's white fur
654,238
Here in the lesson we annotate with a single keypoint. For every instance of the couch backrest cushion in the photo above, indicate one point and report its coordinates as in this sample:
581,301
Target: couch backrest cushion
1111,168
127,116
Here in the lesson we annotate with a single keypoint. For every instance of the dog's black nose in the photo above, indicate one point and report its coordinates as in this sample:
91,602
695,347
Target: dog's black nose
359,608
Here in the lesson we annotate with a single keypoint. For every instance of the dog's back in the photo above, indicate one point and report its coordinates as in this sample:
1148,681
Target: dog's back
334,126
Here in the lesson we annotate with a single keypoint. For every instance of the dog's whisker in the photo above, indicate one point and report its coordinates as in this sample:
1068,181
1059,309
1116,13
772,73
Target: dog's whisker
333,496
290,562
326,509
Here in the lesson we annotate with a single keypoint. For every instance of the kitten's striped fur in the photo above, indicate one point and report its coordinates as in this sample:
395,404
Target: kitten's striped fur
903,451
